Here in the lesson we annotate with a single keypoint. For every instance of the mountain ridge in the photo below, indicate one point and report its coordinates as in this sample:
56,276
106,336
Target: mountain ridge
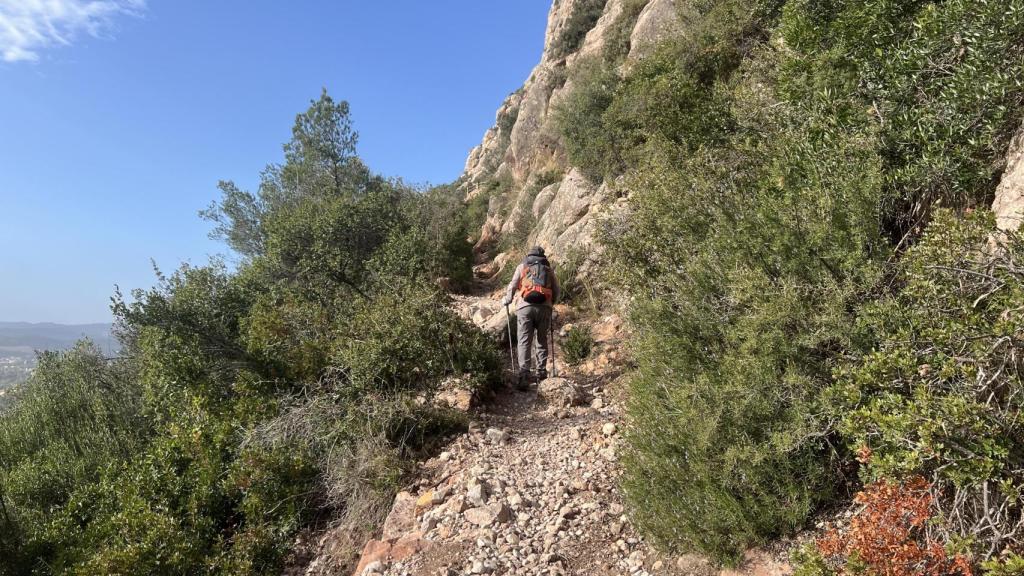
52,335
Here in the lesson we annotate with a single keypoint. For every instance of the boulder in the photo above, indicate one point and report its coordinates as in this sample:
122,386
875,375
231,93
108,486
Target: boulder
658,21
561,392
406,546
424,501
378,554
375,553
609,329
402,518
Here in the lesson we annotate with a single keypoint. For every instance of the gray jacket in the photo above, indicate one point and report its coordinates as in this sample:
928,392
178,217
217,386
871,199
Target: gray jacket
512,295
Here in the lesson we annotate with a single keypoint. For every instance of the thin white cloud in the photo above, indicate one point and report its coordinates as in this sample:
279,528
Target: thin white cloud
29,26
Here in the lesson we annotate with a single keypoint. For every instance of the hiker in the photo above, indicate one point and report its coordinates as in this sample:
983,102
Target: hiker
536,289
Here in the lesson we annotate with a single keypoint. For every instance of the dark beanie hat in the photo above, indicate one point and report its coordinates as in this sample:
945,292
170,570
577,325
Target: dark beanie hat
536,251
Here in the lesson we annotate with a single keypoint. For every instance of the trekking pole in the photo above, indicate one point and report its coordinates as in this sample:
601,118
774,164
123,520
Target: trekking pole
554,366
511,346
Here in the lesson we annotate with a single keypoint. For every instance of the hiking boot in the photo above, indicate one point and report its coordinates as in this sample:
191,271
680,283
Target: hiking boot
542,375
523,383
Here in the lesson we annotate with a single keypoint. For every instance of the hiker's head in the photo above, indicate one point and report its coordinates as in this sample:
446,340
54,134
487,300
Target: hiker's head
536,251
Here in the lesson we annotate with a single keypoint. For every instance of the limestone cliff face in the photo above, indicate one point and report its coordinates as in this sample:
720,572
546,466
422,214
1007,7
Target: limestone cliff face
540,197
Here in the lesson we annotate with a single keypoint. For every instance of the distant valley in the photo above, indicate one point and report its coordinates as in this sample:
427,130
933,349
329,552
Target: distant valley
19,342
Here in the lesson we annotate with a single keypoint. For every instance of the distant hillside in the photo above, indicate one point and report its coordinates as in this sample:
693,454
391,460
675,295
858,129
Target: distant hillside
20,338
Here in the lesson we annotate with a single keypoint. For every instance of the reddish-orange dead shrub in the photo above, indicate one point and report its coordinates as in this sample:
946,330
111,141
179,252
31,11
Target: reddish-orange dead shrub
887,537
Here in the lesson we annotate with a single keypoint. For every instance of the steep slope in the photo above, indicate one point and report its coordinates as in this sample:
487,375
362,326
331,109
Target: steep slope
520,168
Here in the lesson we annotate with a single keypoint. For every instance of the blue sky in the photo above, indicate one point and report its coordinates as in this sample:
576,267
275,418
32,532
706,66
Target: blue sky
118,117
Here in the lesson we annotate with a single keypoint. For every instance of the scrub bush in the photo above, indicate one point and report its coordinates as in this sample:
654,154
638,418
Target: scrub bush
753,241
578,344
250,402
408,339
888,535
580,21
935,396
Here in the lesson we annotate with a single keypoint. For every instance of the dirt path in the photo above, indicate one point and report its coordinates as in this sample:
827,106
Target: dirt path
532,488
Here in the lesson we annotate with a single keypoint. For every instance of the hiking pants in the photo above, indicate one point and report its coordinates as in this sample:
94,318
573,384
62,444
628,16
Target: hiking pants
533,321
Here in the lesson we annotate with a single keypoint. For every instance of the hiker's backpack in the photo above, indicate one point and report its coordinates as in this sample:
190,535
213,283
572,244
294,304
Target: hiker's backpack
535,282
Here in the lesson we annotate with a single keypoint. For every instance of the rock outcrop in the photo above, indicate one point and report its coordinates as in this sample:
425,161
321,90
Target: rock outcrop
658,21
1009,202
522,161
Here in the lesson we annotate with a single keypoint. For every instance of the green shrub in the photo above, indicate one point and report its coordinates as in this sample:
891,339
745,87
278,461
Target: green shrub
578,344
524,221
76,416
515,258
580,21
751,242
476,214
606,121
249,402
576,289
445,222
616,46
1011,565
747,281
588,144
549,177
499,189
932,396
808,561
408,339
944,81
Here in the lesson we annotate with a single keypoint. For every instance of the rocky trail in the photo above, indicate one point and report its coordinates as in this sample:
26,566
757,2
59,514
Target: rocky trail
532,488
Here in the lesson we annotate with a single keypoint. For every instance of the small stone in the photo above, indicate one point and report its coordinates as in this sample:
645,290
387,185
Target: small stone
477,495
459,505
425,500
487,515
439,496
497,436
444,456
609,429
693,564
597,404
375,567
